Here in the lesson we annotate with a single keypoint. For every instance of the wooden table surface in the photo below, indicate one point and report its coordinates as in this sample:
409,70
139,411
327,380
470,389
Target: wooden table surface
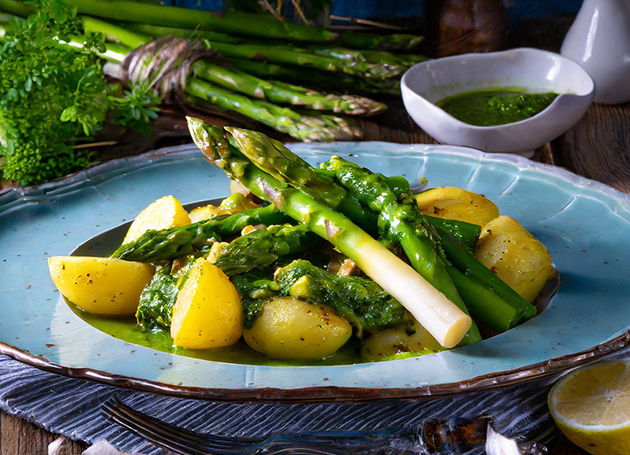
598,147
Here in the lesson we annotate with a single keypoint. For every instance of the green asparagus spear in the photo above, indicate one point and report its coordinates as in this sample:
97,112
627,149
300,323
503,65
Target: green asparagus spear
180,241
262,247
302,57
444,320
465,261
308,128
466,233
157,31
237,23
233,22
335,52
321,79
360,301
255,87
274,158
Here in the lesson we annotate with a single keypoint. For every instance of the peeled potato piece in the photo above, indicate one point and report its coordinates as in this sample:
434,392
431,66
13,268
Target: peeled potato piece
396,340
208,311
457,204
290,328
235,203
515,255
166,212
100,285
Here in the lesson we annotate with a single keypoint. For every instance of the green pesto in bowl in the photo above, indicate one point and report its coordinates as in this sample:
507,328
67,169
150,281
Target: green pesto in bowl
496,106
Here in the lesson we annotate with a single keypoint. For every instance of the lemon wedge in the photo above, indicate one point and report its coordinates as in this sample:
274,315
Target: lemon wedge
166,212
591,406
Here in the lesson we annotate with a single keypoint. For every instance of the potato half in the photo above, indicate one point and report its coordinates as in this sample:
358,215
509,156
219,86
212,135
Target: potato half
515,255
457,204
397,340
208,312
290,328
166,212
100,285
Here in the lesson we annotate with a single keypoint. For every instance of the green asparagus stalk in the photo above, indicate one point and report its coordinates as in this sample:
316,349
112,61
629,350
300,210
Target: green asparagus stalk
466,262
321,79
370,55
484,304
180,241
157,31
406,224
443,319
15,7
301,57
314,127
262,247
306,128
275,159
467,234
234,23
253,86
360,301
334,53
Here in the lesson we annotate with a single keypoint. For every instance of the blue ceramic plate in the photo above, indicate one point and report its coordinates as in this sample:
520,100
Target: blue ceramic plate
584,224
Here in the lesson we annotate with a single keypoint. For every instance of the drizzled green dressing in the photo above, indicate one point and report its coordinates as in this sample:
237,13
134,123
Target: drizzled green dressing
496,106
126,329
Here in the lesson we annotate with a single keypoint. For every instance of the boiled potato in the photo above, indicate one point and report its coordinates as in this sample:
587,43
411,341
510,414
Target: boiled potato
166,212
457,204
208,311
396,340
100,285
290,328
204,212
235,203
515,255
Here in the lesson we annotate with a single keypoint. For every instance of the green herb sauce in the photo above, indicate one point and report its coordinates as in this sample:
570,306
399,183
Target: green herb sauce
125,328
495,106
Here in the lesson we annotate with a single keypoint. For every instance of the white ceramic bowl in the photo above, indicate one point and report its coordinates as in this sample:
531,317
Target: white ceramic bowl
535,70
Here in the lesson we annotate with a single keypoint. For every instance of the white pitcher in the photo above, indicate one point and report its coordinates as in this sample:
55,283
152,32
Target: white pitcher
599,40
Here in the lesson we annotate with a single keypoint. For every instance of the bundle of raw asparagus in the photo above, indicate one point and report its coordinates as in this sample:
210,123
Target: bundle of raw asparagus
254,65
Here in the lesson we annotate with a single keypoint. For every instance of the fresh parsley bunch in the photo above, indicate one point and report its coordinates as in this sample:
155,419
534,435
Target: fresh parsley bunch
53,96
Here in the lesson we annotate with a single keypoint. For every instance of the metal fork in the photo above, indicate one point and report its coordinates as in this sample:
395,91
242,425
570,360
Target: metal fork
185,442
452,435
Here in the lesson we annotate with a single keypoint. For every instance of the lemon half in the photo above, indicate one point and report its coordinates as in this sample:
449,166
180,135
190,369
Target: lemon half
591,406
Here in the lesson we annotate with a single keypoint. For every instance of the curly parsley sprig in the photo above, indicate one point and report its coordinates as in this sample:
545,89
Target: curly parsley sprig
53,96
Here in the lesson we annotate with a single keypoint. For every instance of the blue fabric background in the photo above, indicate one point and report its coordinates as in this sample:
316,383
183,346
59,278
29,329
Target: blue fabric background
517,9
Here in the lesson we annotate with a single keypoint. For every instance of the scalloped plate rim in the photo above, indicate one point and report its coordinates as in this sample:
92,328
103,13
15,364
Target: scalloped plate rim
553,364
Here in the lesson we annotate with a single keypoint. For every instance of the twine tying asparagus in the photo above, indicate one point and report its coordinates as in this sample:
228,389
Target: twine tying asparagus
164,63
